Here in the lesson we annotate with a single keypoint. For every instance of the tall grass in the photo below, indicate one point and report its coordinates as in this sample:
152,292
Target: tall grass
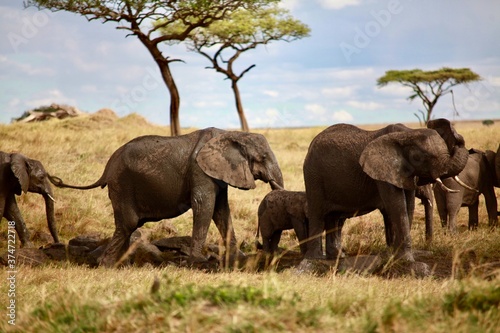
62,297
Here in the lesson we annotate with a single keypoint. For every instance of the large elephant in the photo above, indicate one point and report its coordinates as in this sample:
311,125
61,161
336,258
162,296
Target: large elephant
282,210
479,173
153,177
20,174
350,172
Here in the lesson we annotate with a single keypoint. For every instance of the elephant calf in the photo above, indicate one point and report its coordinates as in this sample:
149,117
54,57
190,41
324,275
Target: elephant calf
482,172
282,210
20,174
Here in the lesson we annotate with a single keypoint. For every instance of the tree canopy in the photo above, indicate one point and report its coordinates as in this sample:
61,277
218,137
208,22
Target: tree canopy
224,41
429,86
140,18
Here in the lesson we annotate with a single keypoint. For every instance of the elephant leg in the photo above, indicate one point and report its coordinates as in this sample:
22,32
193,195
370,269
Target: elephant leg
453,210
410,205
126,222
274,241
389,233
203,206
266,244
441,205
12,213
429,218
300,227
473,215
223,221
315,231
395,204
333,237
491,206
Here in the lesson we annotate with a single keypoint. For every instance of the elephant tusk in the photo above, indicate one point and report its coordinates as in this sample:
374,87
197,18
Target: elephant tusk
443,186
465,185
274,185
51,197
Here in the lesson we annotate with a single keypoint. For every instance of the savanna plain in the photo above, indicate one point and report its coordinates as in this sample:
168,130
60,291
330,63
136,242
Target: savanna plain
462,294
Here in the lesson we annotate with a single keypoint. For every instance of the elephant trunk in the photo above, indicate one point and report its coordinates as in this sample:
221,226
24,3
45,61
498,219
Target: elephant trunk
49,209
275,178
457,161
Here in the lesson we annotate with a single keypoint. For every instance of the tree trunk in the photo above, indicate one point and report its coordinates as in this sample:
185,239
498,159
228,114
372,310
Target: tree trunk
239,106
175,101
166,74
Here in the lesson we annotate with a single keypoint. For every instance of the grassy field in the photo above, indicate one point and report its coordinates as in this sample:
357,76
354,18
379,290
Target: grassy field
463,295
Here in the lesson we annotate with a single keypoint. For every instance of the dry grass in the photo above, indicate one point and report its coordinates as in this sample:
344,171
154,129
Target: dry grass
64,297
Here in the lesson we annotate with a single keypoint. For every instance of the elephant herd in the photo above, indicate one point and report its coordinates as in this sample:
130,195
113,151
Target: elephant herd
347,172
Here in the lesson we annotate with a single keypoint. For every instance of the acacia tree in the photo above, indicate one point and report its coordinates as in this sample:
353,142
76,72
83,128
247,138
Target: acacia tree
244,29
429,86
140,18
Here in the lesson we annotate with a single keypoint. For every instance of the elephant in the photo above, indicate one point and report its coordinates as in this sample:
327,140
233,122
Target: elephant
282,210
21,174
482,172
151,178
426,196
349,172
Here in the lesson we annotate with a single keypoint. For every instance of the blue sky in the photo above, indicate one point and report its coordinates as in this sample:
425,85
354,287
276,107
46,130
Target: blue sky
327,78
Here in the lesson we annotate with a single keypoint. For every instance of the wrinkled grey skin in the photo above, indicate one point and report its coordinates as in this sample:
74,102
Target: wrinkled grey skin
350,172
152,178
282,210
480,174
20,174
426,196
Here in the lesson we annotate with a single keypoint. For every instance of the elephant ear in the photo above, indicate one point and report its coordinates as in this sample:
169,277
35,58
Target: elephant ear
447,132
383,159
223,158
19,167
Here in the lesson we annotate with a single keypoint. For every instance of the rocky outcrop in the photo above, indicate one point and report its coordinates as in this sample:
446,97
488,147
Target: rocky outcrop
53,111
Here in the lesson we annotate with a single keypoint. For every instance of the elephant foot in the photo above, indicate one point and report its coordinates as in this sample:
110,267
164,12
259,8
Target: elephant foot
106,262
315,267
199,259
392,254
397,267
27,244
109,260
335,255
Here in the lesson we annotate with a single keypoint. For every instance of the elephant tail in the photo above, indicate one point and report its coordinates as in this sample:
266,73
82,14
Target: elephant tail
59,183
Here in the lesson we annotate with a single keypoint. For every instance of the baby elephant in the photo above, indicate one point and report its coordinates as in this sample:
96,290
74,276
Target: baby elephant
282,210
20,174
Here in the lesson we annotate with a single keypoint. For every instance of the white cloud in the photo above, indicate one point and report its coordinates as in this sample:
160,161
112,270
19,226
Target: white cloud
340,92
338,4
315,109
14,102
366,73
289,4
271,93
342,116
89,88
208,104
26,68
364,105
494,81
395,90
49,97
